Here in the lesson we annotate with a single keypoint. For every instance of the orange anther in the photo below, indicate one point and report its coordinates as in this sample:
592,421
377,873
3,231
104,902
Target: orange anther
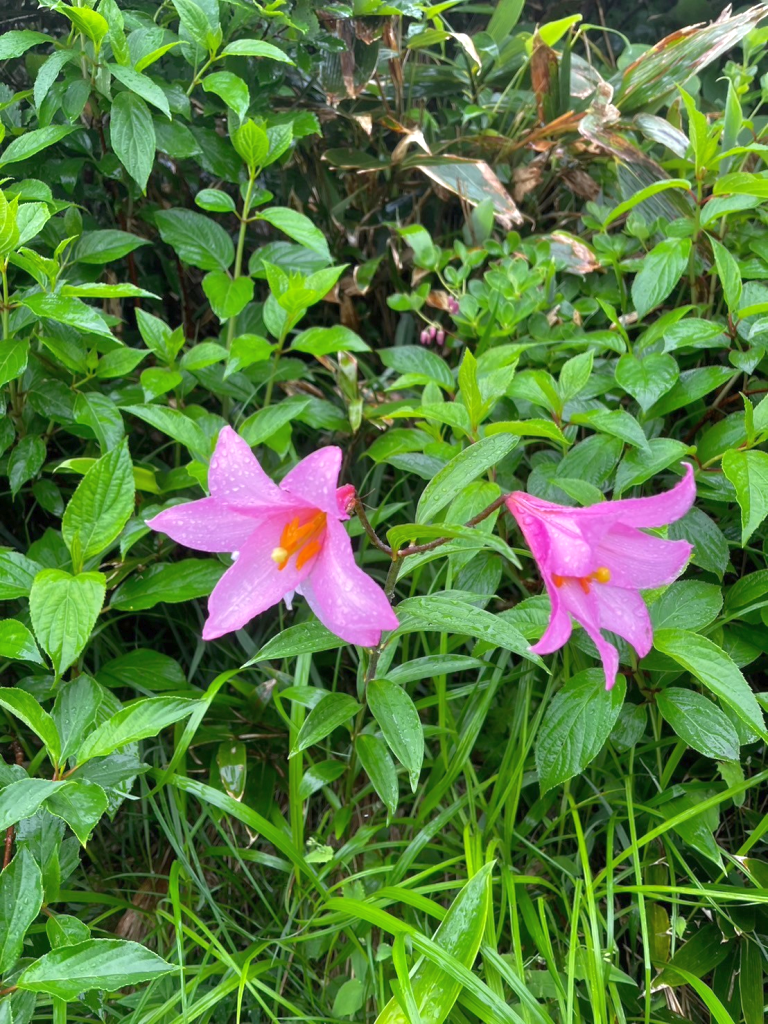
299,539
584,584
307,552
558,580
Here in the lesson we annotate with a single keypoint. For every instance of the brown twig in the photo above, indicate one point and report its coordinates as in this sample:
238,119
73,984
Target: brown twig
9,834
417,549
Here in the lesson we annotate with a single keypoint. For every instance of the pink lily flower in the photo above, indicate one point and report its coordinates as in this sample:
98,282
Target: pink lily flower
285,539
595,561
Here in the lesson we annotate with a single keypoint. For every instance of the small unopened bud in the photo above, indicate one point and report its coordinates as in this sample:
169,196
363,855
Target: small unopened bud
453,306
345,499
440,337
424,337
432,333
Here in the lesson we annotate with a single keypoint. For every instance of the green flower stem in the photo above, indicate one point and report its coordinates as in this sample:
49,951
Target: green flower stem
232,324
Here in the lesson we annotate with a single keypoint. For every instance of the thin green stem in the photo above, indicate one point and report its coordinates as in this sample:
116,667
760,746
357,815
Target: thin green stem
232,325
59,1011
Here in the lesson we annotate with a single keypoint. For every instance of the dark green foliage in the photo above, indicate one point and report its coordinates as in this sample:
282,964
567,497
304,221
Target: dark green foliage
479,256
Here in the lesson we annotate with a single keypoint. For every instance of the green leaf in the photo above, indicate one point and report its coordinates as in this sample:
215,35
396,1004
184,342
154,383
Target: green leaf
527,428
751,985
459,936
90,23
194,20
170,582
729,274
207,353
137,721
576,725
712,667
699,722
81,804
174,423
687,604
326,341
418,365
298,227
470,392
400,724
231,759
703,951
21,799
349,999
100,507
21,899
465,467
306,638
449,615
380,769
17,573
66,309
575,375
99,247
710,546
103,964
158,380
17,42
64,610
251,143
196,239
24,707
33,142
215,200
25,462
691,386
748,472
645,193
74,712
263,424
142,86
246,350
254,48
132,133
13,359
319,775
659,273
332,711
227,296
646,379
17,643
65,930
616,422
233,90
640,465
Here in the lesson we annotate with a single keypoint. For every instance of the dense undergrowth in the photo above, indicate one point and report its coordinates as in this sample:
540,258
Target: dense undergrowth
479,258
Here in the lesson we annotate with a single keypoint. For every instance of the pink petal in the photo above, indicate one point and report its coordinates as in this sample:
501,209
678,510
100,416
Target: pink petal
638,561
345,599
584,608
653,512
313,481
206,525
559,627
254,583
553,535
624,612
235,476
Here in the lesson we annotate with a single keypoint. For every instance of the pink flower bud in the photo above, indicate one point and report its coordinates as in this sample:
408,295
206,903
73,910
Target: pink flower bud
440,337
424,337
432,333
453,306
